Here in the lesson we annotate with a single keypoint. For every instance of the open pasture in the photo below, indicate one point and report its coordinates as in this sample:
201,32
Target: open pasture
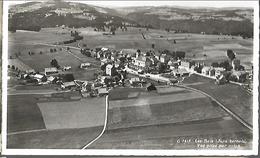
45,35
232,96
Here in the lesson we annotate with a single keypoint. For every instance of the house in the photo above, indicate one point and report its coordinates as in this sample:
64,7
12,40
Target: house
65,68
50,79
174,64
185,64
241,76
68,85
219,71
164,58
102,91
128,51
51,70
235,64
212,72
205,70
84,65
134,80
221,79
110,70
30,71
180,72
141,62
104,61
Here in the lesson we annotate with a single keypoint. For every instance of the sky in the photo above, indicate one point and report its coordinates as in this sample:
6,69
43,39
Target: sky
107,3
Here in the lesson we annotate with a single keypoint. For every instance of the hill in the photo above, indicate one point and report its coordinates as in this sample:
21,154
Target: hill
35,15
234,21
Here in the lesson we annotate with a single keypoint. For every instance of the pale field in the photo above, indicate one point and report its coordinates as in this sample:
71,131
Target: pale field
85,113
158,99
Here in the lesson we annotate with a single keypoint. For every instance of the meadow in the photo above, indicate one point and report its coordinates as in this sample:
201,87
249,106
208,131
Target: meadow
234,97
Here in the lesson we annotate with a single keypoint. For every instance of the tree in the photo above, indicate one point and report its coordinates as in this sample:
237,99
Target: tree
153,45
174,41
215,64
180,54
54,63
225,65
231,55
162,67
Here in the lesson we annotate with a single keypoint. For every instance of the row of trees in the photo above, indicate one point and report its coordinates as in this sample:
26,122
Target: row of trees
174,54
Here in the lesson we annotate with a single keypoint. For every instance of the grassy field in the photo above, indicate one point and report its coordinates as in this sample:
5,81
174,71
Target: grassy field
232,96
34,123
199,118
23,113
54,139
155,109
75,114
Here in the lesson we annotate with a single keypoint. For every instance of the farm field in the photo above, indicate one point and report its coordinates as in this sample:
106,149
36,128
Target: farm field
64,138
152,108
193,118
232,96
36,121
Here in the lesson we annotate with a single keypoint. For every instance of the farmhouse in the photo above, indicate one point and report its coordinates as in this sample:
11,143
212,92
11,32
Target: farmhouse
51,70
141,62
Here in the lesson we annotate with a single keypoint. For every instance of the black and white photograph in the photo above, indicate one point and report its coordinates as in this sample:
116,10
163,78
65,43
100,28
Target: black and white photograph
130,77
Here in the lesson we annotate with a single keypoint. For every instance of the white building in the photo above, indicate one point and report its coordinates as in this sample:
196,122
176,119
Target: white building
110,69
51,70
205,70
85,65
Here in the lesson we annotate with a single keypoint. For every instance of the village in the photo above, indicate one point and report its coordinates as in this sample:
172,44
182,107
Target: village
135,68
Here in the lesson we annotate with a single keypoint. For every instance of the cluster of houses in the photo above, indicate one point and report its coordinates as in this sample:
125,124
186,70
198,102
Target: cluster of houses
114,65
148,62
